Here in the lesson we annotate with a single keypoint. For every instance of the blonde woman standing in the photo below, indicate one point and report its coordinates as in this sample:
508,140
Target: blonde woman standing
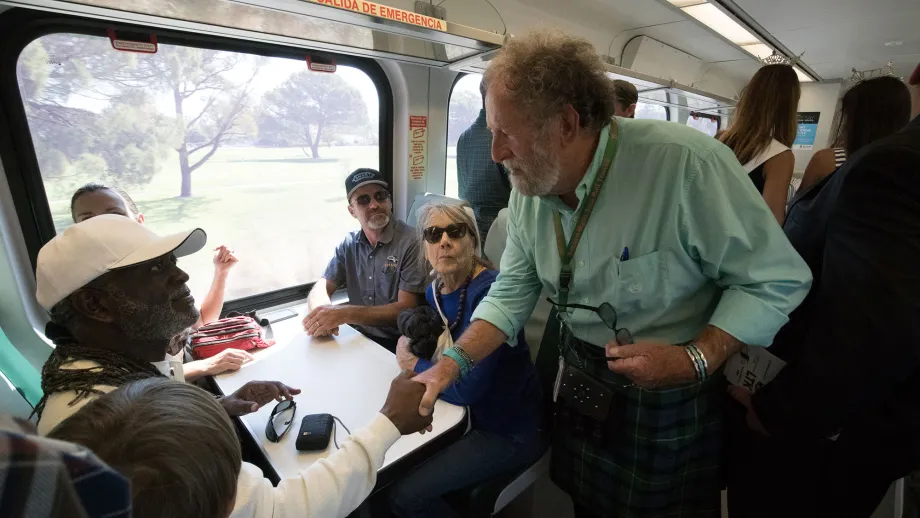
762,131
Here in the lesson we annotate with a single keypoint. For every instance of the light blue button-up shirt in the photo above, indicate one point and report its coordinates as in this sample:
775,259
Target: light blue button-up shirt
703,246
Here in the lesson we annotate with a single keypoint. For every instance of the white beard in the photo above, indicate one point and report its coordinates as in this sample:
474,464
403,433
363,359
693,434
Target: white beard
537,174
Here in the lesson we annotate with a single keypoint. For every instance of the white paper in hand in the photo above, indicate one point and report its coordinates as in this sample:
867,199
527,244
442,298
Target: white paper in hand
752,368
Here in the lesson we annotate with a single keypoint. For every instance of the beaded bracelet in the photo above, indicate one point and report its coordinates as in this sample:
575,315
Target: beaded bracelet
463,359
700,365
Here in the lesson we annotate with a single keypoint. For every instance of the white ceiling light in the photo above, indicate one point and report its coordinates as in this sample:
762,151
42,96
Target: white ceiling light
713,17
893,43
803,77
758,50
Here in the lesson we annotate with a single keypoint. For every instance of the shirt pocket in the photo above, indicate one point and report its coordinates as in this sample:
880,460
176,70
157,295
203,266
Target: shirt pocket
641,283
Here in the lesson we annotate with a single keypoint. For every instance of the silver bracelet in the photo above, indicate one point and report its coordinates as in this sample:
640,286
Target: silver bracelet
693,360
700,365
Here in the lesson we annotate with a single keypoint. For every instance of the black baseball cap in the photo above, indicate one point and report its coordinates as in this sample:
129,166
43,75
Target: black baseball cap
361,177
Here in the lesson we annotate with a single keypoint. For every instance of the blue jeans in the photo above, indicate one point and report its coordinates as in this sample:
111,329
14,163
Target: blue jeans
479,455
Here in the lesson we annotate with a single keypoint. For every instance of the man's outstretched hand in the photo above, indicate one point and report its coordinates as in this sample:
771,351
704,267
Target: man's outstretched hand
435,380
251,396
402,405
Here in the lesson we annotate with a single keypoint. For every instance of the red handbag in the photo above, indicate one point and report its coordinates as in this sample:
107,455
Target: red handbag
237,333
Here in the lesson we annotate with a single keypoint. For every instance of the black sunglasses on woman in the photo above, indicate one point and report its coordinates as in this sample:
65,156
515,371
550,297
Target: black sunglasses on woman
454,231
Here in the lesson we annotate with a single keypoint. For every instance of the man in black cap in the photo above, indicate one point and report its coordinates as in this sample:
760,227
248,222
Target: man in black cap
379,265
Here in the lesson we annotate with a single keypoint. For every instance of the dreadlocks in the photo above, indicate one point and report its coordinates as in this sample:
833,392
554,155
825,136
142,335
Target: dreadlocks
114,369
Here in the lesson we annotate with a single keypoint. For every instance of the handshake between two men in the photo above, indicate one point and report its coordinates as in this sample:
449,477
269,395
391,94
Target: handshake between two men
402,405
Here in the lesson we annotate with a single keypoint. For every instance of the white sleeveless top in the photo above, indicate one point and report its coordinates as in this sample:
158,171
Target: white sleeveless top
776,147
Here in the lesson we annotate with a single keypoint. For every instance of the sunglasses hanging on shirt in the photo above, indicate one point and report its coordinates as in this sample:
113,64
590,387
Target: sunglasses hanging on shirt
608,316
454,231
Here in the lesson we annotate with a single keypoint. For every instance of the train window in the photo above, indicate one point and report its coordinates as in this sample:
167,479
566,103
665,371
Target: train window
655,111
651,111
708,124
251,148
462,112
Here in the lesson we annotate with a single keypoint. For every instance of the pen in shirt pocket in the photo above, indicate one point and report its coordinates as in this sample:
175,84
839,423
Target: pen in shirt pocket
625,255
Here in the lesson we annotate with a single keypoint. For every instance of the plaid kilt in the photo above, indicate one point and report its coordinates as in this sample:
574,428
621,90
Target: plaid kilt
657,455
46,478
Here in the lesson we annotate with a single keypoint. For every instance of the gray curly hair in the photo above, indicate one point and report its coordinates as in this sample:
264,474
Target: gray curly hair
546,70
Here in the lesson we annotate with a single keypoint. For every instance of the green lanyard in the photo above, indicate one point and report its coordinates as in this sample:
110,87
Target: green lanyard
566,252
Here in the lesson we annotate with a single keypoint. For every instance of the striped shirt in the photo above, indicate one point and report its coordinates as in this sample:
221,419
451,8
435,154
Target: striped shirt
840,156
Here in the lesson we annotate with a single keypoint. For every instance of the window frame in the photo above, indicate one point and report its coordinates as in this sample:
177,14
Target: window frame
450,95
20,27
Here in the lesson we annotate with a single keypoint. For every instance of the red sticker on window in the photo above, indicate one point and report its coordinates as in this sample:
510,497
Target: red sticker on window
144,47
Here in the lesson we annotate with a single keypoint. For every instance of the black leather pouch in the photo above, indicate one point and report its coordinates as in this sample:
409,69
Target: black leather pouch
585,395
315,432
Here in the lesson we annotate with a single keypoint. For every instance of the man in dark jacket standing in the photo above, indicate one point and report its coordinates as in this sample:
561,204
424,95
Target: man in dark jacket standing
481,181
843,417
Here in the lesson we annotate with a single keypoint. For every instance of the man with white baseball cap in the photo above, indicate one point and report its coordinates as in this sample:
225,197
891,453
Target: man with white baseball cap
116,297
87,251
378,264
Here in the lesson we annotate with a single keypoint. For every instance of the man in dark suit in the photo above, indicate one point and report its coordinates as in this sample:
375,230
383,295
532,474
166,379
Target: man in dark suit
841,422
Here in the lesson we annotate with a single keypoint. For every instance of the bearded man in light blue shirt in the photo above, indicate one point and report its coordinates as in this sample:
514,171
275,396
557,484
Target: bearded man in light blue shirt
662,259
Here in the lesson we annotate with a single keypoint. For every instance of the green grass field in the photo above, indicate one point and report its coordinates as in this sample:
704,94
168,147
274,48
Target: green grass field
282,212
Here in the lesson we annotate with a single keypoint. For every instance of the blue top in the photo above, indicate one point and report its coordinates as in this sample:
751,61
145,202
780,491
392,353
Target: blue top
502,390
481,181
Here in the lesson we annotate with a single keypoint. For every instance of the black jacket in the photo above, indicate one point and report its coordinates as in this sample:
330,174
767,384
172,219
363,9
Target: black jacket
854,344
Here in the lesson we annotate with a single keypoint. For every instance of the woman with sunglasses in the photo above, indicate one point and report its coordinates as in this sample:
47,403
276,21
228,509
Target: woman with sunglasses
502,391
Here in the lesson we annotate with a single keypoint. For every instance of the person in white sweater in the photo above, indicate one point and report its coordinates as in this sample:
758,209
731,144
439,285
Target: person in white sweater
180,451
116,298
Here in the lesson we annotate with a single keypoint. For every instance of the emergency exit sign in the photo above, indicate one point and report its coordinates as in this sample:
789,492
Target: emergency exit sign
386,12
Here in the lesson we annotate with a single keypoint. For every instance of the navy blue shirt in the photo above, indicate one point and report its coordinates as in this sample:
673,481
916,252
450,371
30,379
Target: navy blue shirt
481,181
374,275
502,390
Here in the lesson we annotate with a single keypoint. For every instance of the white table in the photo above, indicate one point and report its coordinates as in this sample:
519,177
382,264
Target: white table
347,376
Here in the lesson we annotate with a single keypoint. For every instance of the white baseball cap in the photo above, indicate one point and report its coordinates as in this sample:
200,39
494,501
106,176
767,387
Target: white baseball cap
90,249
